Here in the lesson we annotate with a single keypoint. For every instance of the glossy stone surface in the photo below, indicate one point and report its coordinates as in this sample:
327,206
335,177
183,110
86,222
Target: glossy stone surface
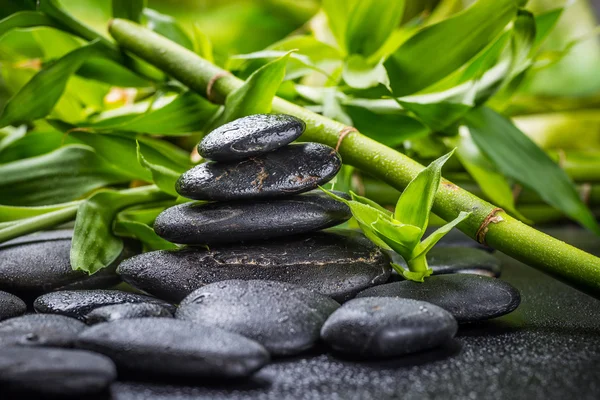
458,260
546,349
295,169
385,327
231,222
39,263
284,318
250,136
468,298
169,347
337,263
127,311
37,372
78,303
49,330
11,306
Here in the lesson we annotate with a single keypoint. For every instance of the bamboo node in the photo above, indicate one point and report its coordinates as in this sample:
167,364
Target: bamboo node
491,218
343,133
211,84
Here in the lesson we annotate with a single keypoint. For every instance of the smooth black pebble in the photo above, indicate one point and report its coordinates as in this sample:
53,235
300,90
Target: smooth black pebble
382,327
11,306
468,298
127,311
250,136
284,318
295,169
34,372
338,264
458,260
50,330
78,303
174,348
39,263
213,223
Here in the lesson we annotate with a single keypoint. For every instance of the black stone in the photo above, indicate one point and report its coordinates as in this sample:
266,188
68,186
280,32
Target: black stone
284,318
338,264
250,136
213,223
458,260
33,372
468,298
39,263
383,327
48,330
127,311
295,169
169,347
78,303
11,306
456,238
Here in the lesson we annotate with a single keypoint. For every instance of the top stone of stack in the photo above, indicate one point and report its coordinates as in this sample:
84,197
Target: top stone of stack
250,136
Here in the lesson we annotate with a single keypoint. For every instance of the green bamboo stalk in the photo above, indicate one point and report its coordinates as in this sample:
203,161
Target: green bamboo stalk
571,265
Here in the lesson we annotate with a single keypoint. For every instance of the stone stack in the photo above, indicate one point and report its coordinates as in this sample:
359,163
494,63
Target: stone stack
258,218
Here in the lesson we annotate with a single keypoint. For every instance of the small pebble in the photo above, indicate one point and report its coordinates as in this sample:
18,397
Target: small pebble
127,311
11,306
382,327
284,318
250,136
48,330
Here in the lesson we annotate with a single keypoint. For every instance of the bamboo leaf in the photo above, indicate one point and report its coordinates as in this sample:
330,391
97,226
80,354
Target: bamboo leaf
38,97
255,96
517,157
438,50
33,144
144,233
16,213
168,27
128,9
25,19
164,177
431,240
202,44
359,74
414,205
63,175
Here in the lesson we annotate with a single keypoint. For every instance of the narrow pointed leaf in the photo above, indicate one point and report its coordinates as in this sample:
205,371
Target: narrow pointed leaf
359,74
37,98
15,213
168,27
402,238
164,177
128,9
25,19
144,233
414,205
202,44
427,244
518,157
371,203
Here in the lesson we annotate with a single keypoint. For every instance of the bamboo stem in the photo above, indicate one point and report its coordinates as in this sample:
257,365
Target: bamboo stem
571,265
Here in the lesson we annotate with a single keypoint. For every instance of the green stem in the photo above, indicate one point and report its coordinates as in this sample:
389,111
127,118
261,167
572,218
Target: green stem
510,236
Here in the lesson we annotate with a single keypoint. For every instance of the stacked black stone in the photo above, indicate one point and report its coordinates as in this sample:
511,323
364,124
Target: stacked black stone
258,220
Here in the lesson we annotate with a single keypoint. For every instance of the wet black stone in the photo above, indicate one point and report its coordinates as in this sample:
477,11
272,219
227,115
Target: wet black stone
456,238
284,318
337,263
169,347
213,223
250,136
127,311
48,330
11,306
468,298
295,169
383,327
39,263
78,303
458,260
34,372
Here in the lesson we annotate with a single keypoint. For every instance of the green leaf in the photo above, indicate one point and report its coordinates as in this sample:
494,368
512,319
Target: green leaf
401,238
437,116
94,245
164,177
359,74
12,229
519,158
111,73
15,213
370,23
493,184
25,19
371,203
144,233
38,97
128,9
33,144
169,115
168,27
13,135
255,96
63,175
414,205
544,24
202,44
423,248
438,50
